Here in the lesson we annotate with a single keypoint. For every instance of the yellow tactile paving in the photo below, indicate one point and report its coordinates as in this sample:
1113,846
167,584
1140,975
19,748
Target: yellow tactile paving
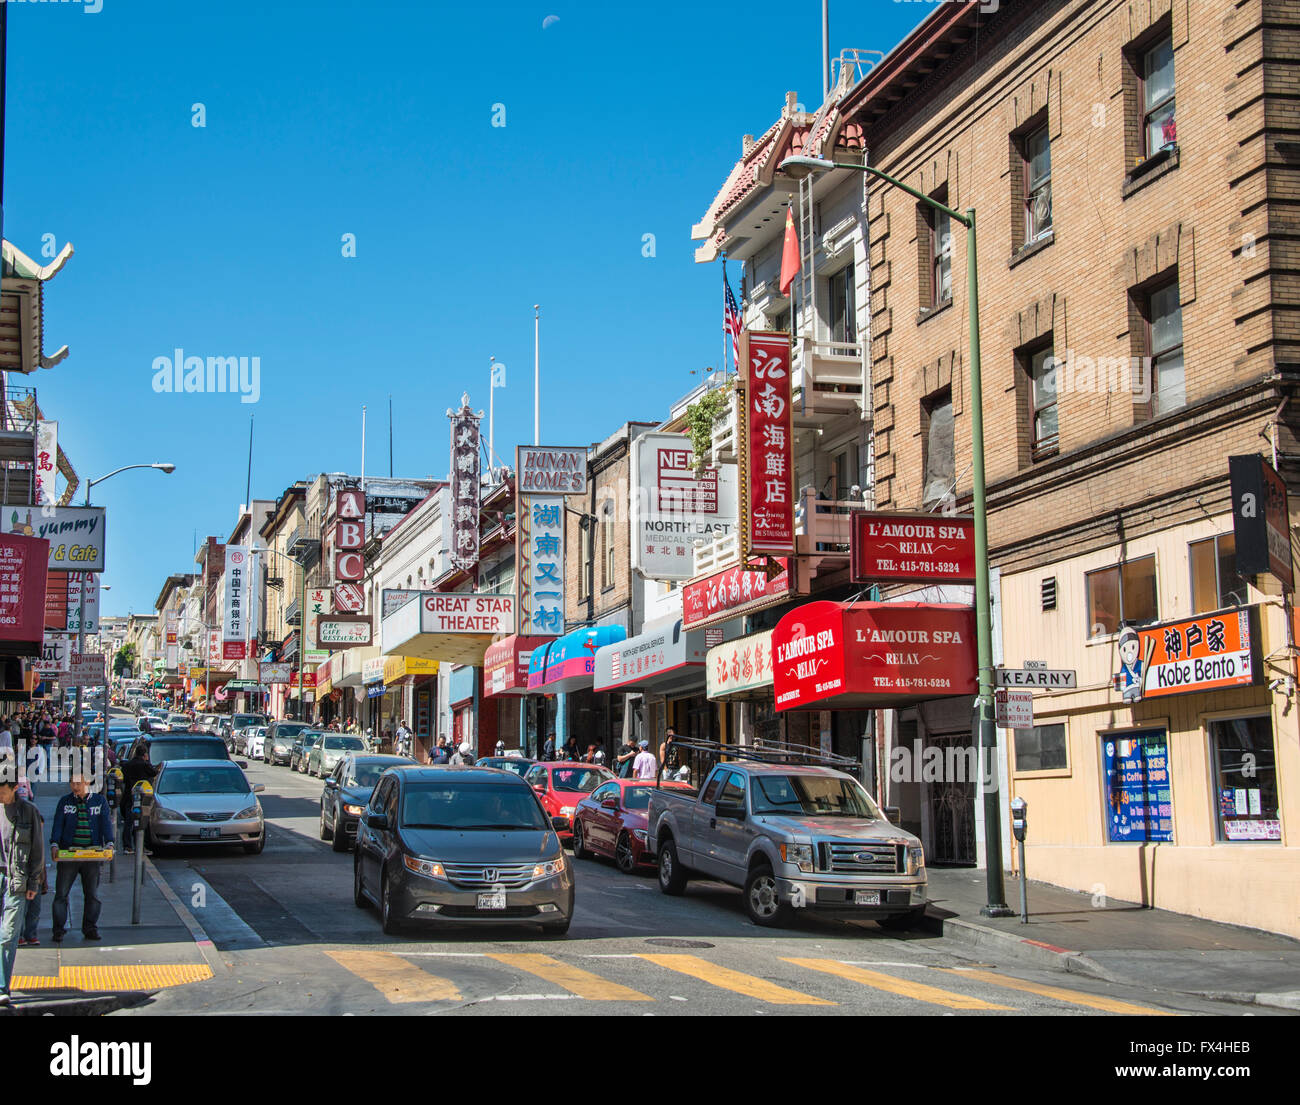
399,980
146,976
736,981
905,988
1056,993
574,979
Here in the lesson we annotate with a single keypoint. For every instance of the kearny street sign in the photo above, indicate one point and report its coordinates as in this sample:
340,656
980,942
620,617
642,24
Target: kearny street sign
1044,678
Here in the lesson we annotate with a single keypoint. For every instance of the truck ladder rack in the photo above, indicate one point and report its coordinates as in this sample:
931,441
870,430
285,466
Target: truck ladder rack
771,752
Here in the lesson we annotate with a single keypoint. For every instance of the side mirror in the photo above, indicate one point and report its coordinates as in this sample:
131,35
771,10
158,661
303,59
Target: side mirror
560,824
259,788
893,814
242,764
733,811
377,820
609,803
331,783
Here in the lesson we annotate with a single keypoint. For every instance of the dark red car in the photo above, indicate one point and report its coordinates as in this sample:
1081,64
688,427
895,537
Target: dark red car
611,821
561,786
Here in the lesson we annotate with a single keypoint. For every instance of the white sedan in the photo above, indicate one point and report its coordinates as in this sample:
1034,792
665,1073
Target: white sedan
254,740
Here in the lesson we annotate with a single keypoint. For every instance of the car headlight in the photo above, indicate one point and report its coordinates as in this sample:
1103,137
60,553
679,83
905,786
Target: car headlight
352,811
798,854
915,859
429,868
252,811
165,814
641,835
549,868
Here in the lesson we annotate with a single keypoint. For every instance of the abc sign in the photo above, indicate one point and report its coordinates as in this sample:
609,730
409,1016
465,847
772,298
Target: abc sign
348,535
350,503
348,565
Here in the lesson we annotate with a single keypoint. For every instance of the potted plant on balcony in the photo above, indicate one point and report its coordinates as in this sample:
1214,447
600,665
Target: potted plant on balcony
701,416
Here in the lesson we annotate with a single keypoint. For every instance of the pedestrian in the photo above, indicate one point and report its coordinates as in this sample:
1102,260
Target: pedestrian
22,856
645,765
623,761
137,769
600,755
440,754
81,820
501,748
403,737
464,755
32,918
668,753
548,749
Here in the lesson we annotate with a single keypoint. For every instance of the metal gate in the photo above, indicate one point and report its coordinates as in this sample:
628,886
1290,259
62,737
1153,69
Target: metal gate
952,804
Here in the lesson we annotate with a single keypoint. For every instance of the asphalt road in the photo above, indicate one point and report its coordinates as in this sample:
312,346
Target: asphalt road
293,940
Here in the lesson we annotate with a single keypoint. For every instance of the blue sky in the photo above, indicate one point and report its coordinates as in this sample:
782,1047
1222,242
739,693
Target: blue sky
375,120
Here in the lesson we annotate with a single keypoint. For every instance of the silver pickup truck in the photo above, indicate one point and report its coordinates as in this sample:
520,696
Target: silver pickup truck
793,837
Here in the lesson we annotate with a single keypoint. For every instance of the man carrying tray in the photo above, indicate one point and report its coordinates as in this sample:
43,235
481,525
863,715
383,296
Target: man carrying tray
81,820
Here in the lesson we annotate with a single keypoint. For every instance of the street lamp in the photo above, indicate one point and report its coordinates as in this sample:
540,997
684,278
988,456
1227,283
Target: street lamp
166,469
798,168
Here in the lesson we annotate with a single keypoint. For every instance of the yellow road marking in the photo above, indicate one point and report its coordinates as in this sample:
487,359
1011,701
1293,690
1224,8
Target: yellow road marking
144,976
900,986
574,979
728,979
400,982
1072,997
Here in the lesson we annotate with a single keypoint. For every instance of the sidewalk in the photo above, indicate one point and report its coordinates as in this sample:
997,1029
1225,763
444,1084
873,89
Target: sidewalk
131,962
1119,941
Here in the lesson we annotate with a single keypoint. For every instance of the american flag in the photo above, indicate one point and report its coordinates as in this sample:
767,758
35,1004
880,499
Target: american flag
731,319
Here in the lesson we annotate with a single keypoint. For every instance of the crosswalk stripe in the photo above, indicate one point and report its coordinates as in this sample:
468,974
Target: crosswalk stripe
727,979
574,979
902,987
1072,997
399,981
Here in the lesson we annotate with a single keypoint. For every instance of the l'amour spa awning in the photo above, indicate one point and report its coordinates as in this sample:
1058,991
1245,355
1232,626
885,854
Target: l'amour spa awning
453,627
664,658
568,663
852,655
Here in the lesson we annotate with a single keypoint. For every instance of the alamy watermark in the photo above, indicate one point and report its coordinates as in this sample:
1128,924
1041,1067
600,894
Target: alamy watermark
179,374
1078,374
41,764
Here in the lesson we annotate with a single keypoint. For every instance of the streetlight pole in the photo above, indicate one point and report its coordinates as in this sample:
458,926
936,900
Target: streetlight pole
985,734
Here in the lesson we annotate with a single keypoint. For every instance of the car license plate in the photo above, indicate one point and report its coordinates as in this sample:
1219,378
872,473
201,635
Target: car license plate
209,834
495,900
866,897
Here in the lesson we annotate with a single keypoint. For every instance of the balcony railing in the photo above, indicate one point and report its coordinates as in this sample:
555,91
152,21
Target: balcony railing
293,613
725,440
720,553
822,526
833,375
19,410
304,544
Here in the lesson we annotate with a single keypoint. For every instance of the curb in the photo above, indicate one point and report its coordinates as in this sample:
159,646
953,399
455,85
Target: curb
85,1005
197,932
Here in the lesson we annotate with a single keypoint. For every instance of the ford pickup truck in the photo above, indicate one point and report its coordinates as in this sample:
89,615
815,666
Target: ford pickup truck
793,837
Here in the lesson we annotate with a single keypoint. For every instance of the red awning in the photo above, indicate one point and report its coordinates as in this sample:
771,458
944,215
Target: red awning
505,664
873,654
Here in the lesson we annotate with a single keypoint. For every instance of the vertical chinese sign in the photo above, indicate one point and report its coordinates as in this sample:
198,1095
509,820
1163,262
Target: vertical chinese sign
45,467
766,444
544,565
22,590
465,486
233,634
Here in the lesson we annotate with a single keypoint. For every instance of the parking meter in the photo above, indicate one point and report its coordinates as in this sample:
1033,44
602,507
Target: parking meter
141,807
1019,818
1019,826
112,788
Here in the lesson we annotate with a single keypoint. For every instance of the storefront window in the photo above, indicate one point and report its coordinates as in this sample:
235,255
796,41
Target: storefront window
1245,779
1041,748
1139,802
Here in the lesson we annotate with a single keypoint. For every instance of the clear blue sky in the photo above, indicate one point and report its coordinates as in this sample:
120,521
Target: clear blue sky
328,118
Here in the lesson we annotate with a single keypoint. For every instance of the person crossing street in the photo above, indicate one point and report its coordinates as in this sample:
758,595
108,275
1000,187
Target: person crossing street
81,820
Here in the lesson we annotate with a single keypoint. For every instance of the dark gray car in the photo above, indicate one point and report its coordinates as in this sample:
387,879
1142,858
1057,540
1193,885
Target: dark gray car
460,845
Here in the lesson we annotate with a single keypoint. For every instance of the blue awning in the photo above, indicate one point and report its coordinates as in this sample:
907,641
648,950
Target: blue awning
568,663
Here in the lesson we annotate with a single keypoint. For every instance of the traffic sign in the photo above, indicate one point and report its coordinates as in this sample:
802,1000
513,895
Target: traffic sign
1040,678
1014,709
349,598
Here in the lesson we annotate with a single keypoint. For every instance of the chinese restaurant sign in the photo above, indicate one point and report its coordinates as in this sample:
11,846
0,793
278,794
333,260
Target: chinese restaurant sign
541,565
744,664
550,470
343,630
75,534
730,593
1201,654
1260,519
23,579
766,444
1140,804
465,486
46,463
233,629
924,547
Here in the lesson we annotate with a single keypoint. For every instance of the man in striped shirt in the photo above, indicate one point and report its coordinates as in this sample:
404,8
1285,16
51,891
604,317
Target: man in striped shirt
81,820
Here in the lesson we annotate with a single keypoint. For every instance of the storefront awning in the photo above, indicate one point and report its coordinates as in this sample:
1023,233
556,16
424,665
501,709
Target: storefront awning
741,669
872,654
399,670
568,663
665,659
505,664
453,627
346,666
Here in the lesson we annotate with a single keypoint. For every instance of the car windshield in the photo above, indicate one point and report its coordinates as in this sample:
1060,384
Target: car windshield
581,779
308,739
367,774
519,767
478,806
821,795
289,730
203,780
162,751
177,718
248,719
350,744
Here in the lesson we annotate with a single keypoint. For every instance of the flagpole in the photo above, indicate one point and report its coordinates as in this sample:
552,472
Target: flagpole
725,330
492,415
537,377
363,449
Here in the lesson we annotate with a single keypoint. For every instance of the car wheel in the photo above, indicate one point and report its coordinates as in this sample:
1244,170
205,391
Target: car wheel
255,849
340,840
901,922
672,875
556,928
325,832
762,900
623,856
358,893
579,847
391,925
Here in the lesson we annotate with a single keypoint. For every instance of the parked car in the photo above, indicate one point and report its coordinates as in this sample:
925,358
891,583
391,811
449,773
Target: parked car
302,746
240,724
280,738
612,821
792,837
182,746
460,845
518,764
178,723
205,802
347,792
208,723
254,741
325,754
561,786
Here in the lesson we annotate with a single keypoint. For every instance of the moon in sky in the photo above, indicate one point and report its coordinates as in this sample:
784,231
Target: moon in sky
549,20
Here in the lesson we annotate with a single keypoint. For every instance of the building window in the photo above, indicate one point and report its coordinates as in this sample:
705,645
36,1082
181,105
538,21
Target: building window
781,322
1162,318
1157,96
1041,748
1041,379
1037,175
1245,767
934,252
607,539
584,559
1121,595
1215,583
937,425
843,308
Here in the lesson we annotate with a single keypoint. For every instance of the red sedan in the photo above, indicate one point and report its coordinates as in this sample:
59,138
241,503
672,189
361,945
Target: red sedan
561,786
611,821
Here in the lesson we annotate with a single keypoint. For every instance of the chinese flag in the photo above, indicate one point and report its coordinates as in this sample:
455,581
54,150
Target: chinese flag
789,253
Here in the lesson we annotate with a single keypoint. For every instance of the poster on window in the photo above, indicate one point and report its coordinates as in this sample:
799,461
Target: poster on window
1139,801
465,486
766,432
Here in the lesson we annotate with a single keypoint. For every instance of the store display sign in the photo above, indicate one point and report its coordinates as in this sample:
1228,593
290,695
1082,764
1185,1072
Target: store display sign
75,534
744,664
466,486
1260,519
550,470
732,592
1205,653
924,547
766,444
335,631
277,672
234,631
56,654
446,612
318,603
77,582
394,598
1140,803
672,509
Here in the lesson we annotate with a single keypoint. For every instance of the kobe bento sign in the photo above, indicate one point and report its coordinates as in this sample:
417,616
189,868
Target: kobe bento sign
1206,653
